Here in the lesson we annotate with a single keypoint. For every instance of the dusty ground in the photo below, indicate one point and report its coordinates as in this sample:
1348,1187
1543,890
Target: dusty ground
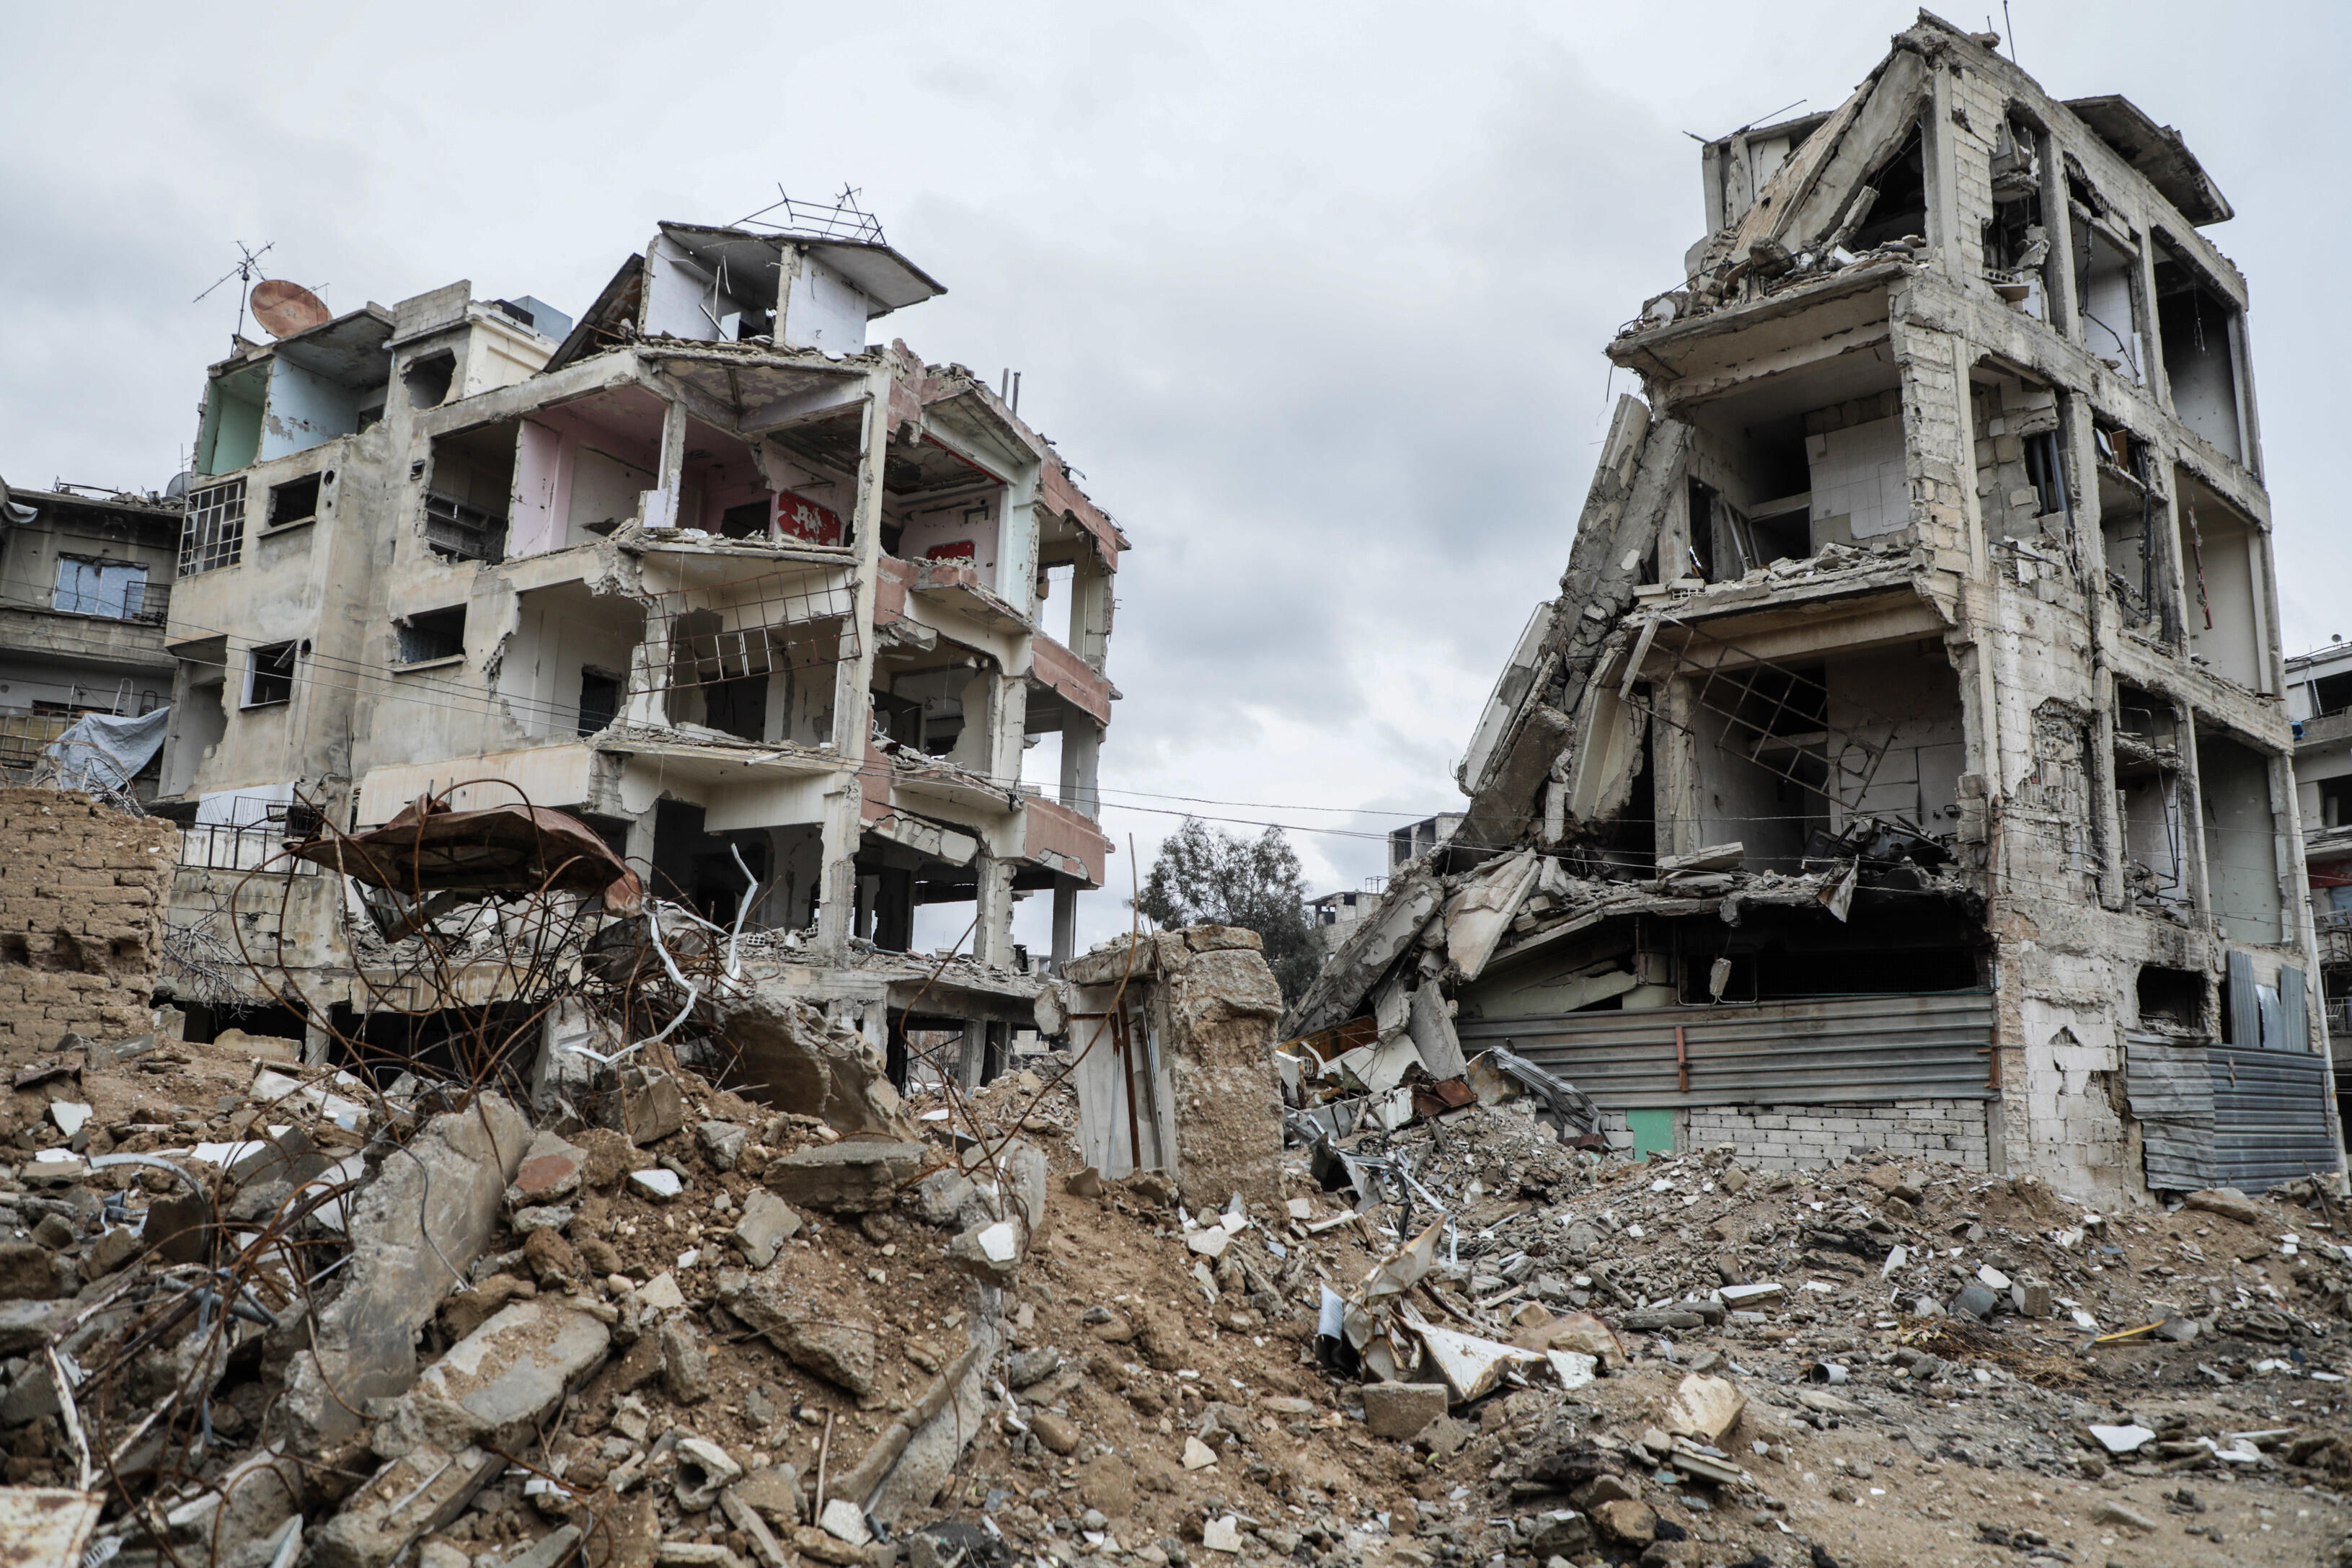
1128,1361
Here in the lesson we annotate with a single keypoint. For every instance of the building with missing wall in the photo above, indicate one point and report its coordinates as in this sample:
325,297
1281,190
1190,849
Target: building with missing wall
1904,763
767,605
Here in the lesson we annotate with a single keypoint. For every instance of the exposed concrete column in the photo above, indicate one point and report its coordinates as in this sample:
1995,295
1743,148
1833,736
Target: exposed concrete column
661,502
1673,753
971,1056
2192,813
1941,147
1090,609
837,883
991,938
2057,221
1082,741
853,719
1066,921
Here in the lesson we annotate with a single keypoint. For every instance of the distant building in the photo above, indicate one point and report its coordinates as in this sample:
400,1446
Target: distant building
85,584
2319,702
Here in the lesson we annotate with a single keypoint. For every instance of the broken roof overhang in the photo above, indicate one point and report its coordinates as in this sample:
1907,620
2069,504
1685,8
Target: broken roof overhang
609,322
353,351
758,387
2158,152
428,848
752,261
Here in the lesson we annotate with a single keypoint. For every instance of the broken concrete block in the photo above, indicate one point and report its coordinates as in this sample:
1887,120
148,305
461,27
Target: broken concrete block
25,1324
1400,1410
1634,1523
1058,1433
767,1224
1560,1534
704,1470
990,1252
2110,1512
27,1273
411,1496
1705,1408
948,1198
811,1064
845,1521
1222,1533
1083,1182
551,1171
2228,1202
1029,1367
2120,1440
854,1176
431,1209
495,1384
644,1106
1197,1456
1977,1301
1714,857
657,1183
1209,1240
685,1365
55,1232
660,1294
836,1340
179,1226
2031,1298
722,1142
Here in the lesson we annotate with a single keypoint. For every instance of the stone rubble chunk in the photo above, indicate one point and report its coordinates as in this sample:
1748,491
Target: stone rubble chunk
722,1142
838,1341
410,1497
855,1175
495,1384
768,1222
1400,1411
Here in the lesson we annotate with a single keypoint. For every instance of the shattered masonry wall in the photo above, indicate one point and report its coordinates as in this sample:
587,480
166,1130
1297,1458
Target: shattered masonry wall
1792,1137
81,917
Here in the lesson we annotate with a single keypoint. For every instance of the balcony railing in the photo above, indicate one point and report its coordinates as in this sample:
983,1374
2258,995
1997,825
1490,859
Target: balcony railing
2339,1017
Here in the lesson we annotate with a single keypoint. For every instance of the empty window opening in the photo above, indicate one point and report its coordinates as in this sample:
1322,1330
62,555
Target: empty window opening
201,721
2106,283
599,699
1783,471
2331,694
2134,520
1699,546
2021,485
2016,242
2197,328
88,585
296,501
1901,208
2225,563
697,867
433,635
2336,803
230,436
427,378
746,521
213,534
2150,793
2173,999
2241,838
270,675
469,493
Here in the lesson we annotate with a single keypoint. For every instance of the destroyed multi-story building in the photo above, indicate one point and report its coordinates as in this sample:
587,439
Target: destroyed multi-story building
765,605
85,583
1904,764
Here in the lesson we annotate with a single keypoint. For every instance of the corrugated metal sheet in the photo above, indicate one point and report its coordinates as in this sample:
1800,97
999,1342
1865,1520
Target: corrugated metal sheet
2169,1086
2245,1018
1818,1052
2295,1028
2270,1119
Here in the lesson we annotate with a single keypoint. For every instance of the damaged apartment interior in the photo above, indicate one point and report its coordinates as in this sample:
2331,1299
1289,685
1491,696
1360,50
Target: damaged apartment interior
774,610
1903,763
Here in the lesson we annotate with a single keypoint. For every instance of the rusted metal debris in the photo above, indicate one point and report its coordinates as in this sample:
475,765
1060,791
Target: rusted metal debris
431,848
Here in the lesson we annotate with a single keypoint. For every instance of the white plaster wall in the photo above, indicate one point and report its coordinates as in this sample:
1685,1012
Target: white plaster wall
824,310
1857,474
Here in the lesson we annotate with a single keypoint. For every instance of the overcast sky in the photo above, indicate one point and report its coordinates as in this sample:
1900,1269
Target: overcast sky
1312,295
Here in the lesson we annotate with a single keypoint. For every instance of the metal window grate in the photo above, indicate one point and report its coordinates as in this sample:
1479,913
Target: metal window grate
463,532
754,628
213,534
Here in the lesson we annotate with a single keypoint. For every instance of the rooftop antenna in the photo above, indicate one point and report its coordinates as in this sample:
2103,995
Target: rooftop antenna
2008,32
243,272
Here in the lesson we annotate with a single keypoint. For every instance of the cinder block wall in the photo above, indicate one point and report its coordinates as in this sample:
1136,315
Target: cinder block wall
1796,1137
83,888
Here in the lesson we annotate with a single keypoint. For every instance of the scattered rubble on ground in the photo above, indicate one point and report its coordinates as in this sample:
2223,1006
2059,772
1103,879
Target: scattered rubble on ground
225,1323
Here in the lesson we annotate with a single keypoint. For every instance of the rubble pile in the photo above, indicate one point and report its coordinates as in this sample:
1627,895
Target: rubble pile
268,1316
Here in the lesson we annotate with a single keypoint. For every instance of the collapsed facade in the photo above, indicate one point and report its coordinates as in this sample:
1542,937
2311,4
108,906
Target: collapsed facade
764,605
1904,764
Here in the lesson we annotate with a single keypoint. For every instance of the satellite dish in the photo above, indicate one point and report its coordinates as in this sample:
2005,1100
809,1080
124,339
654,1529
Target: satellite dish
285,308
